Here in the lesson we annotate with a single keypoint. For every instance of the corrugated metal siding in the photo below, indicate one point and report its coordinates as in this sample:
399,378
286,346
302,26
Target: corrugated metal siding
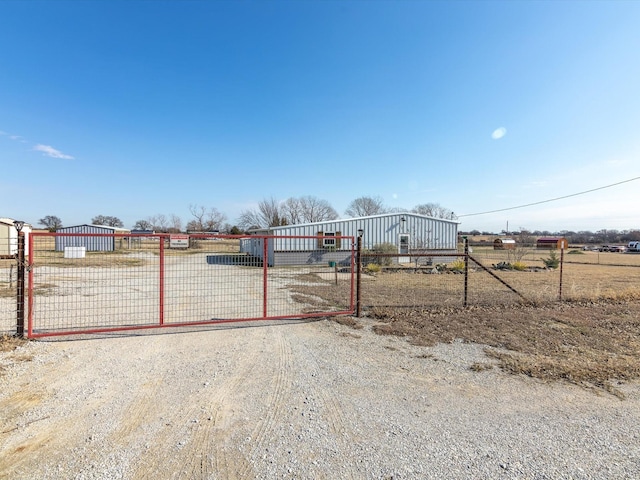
312,258
92,244
425,232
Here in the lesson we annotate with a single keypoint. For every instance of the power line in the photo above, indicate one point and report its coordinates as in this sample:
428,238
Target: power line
551,199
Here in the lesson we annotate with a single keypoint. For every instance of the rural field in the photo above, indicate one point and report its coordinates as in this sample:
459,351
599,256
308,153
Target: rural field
418,387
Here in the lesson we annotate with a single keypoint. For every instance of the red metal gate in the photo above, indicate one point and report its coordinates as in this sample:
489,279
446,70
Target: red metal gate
81,283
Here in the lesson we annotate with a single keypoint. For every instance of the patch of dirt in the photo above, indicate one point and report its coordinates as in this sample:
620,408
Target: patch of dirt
9,343
349,322
589,344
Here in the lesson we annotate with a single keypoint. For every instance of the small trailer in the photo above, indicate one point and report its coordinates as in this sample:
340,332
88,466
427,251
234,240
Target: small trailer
633,247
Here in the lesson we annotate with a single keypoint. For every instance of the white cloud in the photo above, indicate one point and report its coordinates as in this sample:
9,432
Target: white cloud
499,133
17,138
52,152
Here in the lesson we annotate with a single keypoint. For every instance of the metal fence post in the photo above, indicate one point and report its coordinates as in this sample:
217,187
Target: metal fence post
161,240
20,285
561,265
466,268
265,276
358,273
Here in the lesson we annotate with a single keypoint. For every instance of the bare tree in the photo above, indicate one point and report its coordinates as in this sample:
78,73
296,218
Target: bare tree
107,220
268,214
205,219
365,206
307,209
317,210
292,210
175,223
434,210
162,223
525,243
143,225
159,222
396,210
51,222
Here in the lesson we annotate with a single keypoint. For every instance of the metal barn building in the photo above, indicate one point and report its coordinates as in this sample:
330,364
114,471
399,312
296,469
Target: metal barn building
410,232
91,243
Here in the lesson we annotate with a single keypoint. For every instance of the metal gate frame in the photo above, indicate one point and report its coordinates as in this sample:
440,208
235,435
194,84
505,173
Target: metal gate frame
267,243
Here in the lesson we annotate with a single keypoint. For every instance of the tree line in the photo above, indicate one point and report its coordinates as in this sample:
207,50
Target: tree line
581,237
269,212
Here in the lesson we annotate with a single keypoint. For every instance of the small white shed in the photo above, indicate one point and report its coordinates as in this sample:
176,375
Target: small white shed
9,237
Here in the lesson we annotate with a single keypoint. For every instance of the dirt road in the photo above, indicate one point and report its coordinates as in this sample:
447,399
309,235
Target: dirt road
297,400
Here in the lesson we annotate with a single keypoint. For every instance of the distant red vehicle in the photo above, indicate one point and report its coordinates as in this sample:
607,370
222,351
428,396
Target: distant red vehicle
612,248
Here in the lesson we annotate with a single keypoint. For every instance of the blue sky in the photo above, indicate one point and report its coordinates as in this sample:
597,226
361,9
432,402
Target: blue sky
139,108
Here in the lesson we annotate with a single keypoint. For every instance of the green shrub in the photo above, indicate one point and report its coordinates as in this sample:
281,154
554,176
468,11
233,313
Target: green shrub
519,266
553,261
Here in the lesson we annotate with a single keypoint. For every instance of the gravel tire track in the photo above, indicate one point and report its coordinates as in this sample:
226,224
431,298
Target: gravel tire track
192,439
206,455
279,378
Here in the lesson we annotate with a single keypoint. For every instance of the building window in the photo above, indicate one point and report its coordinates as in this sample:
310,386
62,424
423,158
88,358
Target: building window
329,240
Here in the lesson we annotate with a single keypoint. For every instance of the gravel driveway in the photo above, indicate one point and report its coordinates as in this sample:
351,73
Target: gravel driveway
297,400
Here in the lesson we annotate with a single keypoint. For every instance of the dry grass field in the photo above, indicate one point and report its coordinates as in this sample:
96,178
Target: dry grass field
596,345
592,338
573,255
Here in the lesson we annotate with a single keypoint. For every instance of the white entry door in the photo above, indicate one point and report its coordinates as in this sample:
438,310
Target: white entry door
403,247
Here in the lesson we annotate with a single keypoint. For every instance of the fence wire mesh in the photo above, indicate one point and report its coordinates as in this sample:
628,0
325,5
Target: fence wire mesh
151,281
8,287
497,278
410,282
579,275
146,281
